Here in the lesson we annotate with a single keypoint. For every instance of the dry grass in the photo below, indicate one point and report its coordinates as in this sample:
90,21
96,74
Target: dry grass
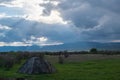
82,57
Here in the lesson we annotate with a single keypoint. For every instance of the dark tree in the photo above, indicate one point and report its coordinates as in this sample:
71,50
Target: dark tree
93,50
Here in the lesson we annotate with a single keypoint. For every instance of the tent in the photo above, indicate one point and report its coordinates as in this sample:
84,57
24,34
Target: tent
36,65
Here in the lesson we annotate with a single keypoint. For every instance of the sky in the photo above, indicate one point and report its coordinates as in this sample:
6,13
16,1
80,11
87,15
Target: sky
56,22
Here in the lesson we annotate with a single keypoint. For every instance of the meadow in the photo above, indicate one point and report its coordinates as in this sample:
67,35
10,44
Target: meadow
74,67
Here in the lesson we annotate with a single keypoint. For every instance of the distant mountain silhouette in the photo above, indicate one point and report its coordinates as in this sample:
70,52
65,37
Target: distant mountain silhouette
78,46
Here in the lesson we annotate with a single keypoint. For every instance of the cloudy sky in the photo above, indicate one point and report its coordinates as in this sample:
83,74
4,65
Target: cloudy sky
55,22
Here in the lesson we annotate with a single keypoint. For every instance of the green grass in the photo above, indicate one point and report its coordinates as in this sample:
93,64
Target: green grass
89,70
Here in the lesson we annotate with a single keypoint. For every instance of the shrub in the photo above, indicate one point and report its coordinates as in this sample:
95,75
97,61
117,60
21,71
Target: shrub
6,61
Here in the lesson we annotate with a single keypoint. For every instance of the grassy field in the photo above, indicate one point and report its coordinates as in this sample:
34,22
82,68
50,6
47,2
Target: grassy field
94,69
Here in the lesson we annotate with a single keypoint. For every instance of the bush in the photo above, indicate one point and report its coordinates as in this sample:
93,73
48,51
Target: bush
6,61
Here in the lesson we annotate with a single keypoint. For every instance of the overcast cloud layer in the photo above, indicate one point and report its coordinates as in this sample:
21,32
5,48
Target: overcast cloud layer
55,22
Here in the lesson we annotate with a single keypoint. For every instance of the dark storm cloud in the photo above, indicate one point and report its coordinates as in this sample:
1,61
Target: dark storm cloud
88,16
112,5
80,13
108,31
48,7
